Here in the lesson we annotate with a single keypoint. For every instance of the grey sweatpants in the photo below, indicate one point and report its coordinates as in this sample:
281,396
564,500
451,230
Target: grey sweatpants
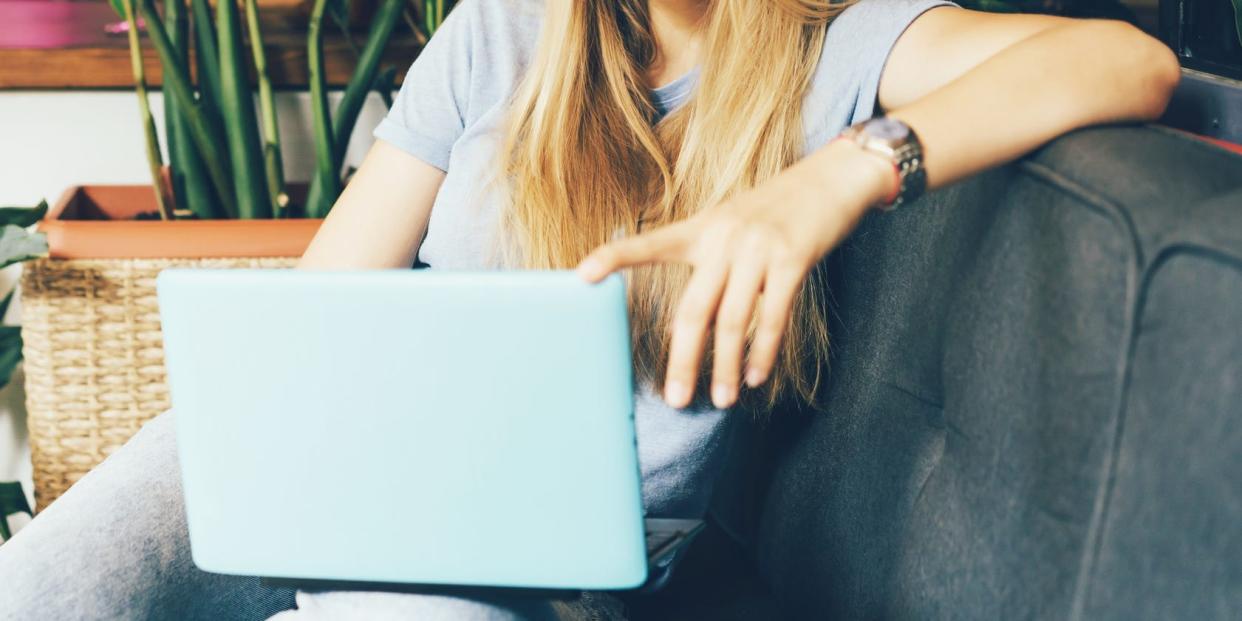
115,547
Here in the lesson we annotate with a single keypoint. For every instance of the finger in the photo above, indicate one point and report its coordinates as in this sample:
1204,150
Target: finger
779,292
732,323
694,313
663,244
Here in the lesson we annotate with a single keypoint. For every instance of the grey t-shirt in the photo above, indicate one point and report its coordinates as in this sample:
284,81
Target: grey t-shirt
451,111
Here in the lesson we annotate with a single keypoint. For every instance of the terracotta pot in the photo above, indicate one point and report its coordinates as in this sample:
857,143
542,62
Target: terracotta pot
90,317
96,222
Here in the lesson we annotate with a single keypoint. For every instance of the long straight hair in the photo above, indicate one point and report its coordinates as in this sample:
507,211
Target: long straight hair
586,161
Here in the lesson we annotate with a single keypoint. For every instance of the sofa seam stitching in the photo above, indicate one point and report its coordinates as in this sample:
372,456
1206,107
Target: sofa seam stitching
1161,259
1089,558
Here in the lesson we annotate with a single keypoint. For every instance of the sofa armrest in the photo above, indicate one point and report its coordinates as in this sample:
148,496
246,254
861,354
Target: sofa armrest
1166,537
1008,355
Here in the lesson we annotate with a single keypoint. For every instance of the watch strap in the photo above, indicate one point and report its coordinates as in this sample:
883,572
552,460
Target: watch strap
906,156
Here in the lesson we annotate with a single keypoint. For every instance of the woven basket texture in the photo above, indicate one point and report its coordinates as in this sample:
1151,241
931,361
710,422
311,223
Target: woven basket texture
94,358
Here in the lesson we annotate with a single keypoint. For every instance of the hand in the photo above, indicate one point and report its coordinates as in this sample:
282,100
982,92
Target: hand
750,256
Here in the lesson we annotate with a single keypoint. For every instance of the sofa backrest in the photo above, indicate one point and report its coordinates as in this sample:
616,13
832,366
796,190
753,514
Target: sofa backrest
1035,405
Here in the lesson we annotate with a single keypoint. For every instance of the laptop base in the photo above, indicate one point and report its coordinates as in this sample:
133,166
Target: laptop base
666,539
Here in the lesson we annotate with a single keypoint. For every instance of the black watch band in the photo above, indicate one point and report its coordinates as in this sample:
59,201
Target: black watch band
898,143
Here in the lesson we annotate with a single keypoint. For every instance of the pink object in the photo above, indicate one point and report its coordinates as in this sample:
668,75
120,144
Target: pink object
59,24
122,27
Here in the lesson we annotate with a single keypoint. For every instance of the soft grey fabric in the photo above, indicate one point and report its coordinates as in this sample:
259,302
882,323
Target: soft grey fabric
1035,406
1173,501
375,606
115,546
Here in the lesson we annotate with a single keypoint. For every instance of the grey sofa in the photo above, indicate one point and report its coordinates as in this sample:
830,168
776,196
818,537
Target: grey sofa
1034,408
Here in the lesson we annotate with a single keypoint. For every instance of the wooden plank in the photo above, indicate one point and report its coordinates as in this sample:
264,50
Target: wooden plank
55,45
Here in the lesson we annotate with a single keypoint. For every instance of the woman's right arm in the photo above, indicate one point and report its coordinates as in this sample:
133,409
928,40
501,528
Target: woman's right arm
380,218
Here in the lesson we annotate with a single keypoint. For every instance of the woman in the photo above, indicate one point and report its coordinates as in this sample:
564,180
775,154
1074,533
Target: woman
698,141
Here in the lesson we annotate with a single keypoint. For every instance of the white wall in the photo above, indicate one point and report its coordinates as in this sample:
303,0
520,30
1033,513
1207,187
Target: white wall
50,140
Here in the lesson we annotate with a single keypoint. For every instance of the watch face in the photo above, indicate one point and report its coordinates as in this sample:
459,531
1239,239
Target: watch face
888,129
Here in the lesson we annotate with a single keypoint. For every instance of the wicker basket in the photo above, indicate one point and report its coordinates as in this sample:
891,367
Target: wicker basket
94,358
90,321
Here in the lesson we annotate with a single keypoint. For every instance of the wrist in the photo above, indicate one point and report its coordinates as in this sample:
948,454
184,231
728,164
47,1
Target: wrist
868,179
896,143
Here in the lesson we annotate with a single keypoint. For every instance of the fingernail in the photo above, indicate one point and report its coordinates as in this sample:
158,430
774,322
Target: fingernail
677,394
754,378
723,395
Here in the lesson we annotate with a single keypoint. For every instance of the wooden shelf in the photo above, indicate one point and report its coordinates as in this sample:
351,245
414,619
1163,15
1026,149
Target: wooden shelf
57,44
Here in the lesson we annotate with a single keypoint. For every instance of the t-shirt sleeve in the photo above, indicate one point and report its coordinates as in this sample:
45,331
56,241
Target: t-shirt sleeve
858,44
428,114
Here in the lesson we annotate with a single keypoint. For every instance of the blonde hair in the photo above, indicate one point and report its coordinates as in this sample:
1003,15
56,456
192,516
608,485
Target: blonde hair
585,161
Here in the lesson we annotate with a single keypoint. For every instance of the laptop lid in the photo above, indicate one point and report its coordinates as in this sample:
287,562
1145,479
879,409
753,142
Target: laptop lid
406,426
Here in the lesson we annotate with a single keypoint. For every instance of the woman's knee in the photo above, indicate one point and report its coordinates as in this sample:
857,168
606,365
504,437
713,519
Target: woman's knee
379,605
116,533
143,473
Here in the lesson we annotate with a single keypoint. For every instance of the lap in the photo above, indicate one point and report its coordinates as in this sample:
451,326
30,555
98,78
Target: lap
382,606
116,546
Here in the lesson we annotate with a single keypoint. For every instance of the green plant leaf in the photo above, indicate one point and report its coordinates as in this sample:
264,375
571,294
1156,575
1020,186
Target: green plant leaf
4,304
10,352
363,79
327,179
117,6
237,103
18,244
12,501
338,10
204,131
273,158
207,59
323,189
385,83
22,216
434,12
155,160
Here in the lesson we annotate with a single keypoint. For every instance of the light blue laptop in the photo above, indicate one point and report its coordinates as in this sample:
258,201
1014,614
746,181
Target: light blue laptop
414,427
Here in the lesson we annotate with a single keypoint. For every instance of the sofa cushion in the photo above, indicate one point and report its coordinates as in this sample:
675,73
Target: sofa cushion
981,347
715,580
1170,542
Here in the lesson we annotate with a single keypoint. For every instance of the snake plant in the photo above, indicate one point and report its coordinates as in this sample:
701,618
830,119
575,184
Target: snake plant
17,243
225,160
12,502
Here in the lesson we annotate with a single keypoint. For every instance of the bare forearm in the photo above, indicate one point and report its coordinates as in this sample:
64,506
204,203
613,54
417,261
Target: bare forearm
1067,77
379,221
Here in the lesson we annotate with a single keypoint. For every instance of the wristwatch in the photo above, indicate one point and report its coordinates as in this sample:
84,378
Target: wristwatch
896,142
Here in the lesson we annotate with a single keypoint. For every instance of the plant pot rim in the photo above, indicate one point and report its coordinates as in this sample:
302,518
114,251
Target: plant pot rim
101,237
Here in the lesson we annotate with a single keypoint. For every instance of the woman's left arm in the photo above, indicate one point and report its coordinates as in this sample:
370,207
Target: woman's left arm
982,89
979,90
